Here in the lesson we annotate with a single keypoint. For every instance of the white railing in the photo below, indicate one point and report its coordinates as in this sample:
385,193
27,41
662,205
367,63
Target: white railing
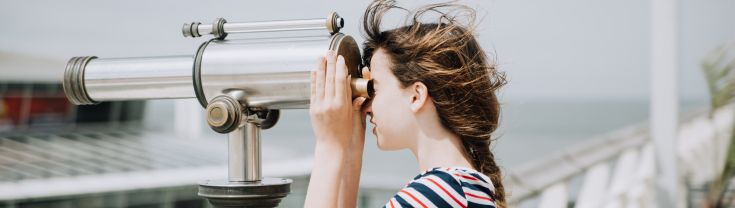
618,169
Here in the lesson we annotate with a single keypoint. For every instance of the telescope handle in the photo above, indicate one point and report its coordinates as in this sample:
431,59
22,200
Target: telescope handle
220,28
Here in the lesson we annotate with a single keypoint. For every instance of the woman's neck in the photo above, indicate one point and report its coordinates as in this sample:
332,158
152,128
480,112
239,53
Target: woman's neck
437,147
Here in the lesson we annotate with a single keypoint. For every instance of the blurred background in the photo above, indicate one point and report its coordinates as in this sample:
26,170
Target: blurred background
577,70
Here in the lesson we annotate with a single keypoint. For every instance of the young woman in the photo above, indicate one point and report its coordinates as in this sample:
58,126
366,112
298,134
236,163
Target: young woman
434,95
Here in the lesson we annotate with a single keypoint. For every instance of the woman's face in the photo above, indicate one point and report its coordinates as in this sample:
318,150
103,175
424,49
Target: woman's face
389,108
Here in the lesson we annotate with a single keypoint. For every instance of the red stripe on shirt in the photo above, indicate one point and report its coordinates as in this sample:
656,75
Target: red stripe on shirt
447,192
391,203
413,197
479,197
467,177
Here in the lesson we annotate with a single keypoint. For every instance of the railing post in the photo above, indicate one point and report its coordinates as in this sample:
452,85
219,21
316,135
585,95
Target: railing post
640,194
664,102
554,196
622,178
594,187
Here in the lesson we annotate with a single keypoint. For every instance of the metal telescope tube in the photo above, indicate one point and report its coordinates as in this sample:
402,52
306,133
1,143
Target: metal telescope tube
88,80
273,73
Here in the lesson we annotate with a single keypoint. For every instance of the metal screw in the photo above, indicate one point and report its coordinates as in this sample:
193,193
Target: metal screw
217,114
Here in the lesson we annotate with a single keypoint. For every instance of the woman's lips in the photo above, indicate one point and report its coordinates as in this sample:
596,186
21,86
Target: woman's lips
374,131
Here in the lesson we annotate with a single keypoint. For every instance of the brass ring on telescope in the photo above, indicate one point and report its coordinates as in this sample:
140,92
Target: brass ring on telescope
73,82
334,23
346,46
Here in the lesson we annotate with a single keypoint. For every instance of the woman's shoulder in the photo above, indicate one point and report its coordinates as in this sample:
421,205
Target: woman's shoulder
461,174
473,183
446,187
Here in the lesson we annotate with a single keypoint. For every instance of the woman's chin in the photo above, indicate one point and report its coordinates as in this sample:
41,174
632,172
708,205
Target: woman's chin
380,144
383,146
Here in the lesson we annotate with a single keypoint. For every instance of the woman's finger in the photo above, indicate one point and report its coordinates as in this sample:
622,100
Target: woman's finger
348,89
342,92
312,92
357,103
366,73
320,72
329,80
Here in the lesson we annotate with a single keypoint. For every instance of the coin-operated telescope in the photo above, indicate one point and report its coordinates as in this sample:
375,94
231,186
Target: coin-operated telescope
242,84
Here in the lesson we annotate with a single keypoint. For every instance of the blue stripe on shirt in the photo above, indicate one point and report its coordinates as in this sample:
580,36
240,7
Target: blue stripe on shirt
476,187
478,177
402,202
473,205
429,194
449,179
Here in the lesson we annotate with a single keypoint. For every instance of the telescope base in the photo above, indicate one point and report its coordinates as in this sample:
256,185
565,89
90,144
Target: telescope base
267,192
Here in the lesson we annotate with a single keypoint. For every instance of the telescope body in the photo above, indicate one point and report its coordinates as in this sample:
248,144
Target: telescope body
273,73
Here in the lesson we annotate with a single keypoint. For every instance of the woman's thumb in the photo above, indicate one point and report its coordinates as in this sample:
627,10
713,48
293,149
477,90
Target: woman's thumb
357,103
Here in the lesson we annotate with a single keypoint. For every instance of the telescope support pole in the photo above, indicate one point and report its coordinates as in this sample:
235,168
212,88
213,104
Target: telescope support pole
245,186
244,153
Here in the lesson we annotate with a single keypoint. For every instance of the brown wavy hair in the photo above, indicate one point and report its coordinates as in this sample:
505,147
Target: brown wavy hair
446,57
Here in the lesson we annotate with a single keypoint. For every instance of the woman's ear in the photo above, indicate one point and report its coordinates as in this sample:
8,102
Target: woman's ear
419,96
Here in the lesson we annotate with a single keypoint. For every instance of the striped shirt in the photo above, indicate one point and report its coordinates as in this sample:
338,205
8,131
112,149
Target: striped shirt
446,187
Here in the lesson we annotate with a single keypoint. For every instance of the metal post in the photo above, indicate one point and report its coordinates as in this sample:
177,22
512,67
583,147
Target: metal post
244,154
253,170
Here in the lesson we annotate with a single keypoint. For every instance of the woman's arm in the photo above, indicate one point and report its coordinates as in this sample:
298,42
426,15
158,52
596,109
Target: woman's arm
325,177
350,185
332,119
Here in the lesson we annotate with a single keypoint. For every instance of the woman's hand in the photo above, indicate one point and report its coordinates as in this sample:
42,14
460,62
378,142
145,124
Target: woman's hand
330,109
338,130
